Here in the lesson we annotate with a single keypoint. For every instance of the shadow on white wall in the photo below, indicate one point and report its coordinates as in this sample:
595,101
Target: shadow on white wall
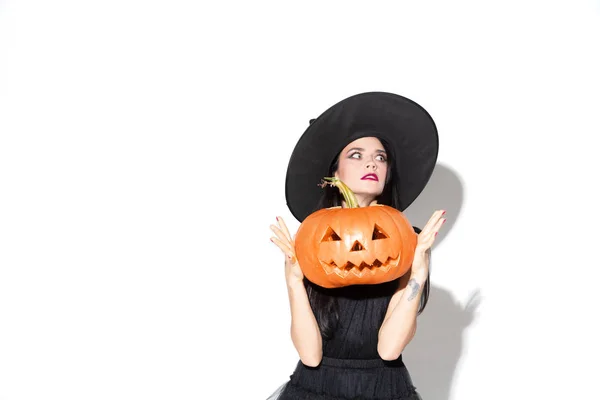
433,355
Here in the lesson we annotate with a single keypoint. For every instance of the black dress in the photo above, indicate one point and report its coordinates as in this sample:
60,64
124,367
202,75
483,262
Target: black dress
351,367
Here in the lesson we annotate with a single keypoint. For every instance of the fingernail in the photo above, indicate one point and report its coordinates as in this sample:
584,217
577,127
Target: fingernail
443,212
444,220
277,218
435,234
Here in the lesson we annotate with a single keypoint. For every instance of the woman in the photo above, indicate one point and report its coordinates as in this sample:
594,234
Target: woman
350,340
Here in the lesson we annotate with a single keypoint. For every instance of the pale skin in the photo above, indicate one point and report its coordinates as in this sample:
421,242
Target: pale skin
359,158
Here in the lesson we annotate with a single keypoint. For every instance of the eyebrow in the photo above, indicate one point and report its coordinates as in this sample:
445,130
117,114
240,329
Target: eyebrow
361,149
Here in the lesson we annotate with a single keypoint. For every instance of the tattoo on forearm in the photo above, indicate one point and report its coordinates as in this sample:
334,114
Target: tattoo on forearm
415,289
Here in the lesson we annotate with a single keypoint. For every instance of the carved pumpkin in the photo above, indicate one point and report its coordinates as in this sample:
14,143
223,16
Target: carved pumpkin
354,246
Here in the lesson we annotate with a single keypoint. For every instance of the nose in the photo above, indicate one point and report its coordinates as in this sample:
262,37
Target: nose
371,165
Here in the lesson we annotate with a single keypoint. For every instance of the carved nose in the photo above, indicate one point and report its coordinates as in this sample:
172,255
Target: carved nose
357,246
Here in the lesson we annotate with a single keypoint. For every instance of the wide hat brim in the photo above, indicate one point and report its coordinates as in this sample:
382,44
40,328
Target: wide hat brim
406,126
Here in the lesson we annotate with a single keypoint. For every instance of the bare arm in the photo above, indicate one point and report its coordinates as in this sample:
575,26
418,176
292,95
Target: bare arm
400,322
305,331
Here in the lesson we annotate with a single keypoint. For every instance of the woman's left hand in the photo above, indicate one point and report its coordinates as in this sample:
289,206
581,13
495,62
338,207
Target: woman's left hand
420,265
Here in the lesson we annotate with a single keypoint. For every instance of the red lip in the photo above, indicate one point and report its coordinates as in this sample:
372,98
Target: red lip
371,177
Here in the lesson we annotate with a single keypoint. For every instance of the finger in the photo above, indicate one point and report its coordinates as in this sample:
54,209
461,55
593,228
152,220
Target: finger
286,253
428,238
290,259
435,217
438,225
283,246
280,235
436,228
284,228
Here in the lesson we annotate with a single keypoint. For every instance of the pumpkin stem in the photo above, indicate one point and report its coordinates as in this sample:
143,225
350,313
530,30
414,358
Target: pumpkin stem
349,196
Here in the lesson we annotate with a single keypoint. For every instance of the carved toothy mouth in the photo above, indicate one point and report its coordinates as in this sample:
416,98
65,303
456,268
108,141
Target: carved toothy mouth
359,270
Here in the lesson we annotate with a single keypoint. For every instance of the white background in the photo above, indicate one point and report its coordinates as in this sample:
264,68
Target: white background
143,151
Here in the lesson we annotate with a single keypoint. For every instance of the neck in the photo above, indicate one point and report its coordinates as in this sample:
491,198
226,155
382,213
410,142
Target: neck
363,201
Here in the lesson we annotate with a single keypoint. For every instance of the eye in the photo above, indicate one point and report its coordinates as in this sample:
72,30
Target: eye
330,236
356,155
378,233
381,157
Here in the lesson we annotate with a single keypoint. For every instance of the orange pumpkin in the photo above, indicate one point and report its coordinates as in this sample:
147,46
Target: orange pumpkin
354,246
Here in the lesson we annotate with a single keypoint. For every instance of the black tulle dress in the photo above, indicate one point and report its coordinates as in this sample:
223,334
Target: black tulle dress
351,367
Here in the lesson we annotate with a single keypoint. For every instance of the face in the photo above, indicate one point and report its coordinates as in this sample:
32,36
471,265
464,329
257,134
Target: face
363,167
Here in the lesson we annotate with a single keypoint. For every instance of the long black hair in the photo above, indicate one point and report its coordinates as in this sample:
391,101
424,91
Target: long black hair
325,306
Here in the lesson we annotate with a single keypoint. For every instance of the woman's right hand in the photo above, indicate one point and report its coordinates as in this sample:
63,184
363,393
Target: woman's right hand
283,240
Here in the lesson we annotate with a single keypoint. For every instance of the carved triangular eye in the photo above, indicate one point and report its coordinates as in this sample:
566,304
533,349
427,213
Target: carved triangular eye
378,233
357,246
330,236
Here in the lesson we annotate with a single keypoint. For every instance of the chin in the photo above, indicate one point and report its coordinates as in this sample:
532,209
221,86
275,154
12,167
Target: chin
369,193
366,188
